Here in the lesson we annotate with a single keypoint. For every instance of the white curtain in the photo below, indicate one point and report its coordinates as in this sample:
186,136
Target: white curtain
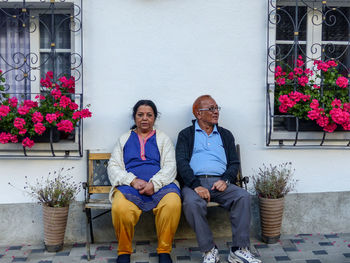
14,51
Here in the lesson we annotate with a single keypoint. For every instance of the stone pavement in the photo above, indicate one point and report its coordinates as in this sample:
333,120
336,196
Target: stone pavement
302,248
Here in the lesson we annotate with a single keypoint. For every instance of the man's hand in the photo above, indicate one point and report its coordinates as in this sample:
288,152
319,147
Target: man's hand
147,190
138,184
203,192
219,185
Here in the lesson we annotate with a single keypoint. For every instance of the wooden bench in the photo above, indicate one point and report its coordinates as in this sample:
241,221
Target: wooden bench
97,188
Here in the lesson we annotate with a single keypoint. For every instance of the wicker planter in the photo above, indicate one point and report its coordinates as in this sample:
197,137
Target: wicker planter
271,214
55,221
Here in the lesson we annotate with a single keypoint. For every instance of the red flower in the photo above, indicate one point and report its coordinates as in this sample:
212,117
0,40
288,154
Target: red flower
27,143
342,82
65,125
39,128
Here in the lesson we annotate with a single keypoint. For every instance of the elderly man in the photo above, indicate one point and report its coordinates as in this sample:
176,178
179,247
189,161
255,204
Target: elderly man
207,165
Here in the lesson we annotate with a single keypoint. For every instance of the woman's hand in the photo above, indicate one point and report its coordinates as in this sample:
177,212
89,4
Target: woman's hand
138,184
148,189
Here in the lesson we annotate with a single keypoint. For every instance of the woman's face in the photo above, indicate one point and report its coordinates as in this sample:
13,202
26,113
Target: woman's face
144,118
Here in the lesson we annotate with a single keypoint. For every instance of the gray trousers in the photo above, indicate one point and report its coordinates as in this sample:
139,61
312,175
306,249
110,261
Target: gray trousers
234,199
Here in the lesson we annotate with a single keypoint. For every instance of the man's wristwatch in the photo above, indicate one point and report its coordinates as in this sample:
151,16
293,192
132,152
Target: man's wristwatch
227,182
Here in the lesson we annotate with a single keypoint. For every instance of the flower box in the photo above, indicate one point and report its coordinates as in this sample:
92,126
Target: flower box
304,125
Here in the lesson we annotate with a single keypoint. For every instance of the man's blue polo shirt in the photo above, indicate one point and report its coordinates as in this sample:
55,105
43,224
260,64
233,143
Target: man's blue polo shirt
208,155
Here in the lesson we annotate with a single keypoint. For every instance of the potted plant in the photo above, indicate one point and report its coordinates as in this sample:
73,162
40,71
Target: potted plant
53,110
54,193
319,94
271,184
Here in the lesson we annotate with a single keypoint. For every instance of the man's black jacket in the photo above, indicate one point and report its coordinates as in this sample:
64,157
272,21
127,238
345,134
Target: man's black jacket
184,149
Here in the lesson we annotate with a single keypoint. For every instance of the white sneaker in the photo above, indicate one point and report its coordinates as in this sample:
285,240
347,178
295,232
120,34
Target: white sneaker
242,255
211,256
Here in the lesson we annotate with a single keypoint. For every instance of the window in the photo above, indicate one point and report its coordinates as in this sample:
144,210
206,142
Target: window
37,37
314,30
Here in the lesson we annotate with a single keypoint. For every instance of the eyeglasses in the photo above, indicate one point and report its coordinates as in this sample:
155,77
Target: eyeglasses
212,109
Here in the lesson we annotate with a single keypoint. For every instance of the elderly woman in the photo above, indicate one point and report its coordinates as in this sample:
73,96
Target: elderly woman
142,171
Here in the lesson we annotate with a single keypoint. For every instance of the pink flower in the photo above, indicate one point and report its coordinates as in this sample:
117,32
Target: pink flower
84,113
283,108
39,128
291,75
64,102
4,137
314,114
331,63
346,126
27,142
23,131
56,93
339,116
330,127
19,123
303,80
14,138
30,104
308,72
7,137
70,83
322,66
65,125
298,71
23,110
316,86
40,97
76,115
346,106
285,100
13,102
299,61
46,83
314,104
49,75
336,103
4,110
51,117
73,106
37,117
342,82
281,81
322,121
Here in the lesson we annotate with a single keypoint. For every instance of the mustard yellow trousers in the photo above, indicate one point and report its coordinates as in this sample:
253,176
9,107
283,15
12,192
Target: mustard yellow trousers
126,214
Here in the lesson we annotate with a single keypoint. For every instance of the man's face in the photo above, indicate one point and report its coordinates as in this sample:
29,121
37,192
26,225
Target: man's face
208,112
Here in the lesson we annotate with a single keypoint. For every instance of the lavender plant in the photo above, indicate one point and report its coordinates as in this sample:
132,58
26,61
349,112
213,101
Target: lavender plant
274,181
58,189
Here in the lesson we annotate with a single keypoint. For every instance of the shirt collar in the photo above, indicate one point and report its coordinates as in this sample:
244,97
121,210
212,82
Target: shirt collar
198,128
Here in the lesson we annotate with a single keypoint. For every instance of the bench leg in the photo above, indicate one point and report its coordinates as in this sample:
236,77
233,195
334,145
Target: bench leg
88,229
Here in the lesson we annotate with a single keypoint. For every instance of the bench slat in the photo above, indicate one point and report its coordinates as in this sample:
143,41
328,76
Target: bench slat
98,206
99,189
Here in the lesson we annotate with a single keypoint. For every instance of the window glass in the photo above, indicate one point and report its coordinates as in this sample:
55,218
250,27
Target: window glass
336,24
286,23
59,34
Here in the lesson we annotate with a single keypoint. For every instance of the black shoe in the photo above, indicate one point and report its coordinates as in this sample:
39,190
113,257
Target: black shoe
124,258
164,258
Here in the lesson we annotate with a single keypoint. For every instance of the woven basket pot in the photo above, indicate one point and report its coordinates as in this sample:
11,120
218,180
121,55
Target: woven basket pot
55,221
271,214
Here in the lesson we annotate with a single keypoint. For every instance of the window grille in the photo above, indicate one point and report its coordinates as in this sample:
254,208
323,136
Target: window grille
37,37
314,30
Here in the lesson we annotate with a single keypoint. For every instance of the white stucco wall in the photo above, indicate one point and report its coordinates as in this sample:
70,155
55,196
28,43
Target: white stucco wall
172,52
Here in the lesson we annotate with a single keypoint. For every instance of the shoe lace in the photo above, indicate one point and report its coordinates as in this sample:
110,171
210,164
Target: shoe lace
246,253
